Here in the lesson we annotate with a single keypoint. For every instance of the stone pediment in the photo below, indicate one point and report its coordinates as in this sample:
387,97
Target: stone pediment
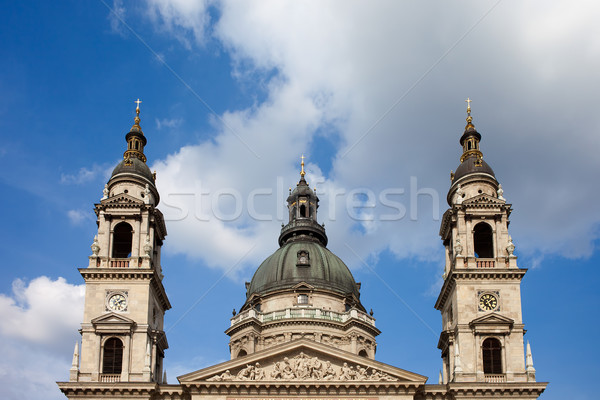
482,199
492,323
120,199
493,318
113,322
302,360
303,286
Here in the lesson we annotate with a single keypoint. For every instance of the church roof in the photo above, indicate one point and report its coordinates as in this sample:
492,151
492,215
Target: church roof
470,166
133,166
284,269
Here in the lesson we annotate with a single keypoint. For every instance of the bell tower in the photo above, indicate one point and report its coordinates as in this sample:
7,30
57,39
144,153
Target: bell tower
125,301
480,300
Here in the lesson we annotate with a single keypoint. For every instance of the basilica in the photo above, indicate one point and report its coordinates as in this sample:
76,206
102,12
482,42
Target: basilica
302,332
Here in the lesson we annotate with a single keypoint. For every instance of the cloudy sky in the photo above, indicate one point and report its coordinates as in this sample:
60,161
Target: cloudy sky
372,93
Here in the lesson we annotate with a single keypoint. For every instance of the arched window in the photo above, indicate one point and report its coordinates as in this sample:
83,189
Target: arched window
492,356
483,240
293,214
122,237
303,212
242,353
363,353
112,361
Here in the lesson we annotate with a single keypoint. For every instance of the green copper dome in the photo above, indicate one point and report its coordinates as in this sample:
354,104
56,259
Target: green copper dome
303,261
302,255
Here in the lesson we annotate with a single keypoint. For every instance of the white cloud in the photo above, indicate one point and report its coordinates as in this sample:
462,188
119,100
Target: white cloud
340,66
76,217
186,20
39,328
168,123
41,311
115,17
85,175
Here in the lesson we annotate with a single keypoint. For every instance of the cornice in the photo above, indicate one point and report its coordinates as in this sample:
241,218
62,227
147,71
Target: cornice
115,389
125,274
514,274
482,389
446,223
302,321
302,388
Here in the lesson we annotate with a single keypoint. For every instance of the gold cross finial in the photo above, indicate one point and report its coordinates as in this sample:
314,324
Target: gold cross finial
137,109
302,173
468,101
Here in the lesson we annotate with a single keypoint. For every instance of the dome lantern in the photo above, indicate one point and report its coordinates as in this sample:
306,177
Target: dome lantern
302,206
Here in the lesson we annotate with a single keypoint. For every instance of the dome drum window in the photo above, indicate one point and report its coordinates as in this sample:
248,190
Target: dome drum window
303,299
303,259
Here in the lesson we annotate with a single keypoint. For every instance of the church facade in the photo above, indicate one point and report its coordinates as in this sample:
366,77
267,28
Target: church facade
302,332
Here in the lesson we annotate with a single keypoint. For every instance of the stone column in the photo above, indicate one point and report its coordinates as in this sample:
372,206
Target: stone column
126,358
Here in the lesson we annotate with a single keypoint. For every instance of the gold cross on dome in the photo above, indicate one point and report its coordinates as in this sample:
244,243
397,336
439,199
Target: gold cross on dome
302,165
468,101
138,101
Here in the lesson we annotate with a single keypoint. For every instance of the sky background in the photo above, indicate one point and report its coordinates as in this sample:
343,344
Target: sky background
372,93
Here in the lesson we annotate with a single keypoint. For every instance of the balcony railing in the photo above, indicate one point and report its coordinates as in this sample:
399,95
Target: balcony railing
119,263
495,378
305,313
110,378
485,263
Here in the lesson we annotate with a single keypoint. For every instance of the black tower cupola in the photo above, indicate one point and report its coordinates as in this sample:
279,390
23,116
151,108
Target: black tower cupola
135,139
302,205
470,139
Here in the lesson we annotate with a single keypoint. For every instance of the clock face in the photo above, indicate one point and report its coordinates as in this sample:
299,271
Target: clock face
117,302
488,302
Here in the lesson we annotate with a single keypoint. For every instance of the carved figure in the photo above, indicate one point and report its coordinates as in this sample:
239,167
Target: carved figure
346,373
105,192
147,194
458,248
500,193
316,368
246,373
147,246
277,371
95,246
459,195
225,376
328,373
361,373
510,248
259,372
287,372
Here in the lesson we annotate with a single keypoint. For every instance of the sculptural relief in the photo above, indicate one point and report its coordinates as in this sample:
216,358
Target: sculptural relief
305,367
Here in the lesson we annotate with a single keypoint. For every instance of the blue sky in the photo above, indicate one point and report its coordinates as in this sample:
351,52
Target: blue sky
233,93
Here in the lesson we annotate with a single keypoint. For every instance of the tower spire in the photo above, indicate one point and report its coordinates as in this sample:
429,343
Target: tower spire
136,121
470,138
469,118
135,138
302,173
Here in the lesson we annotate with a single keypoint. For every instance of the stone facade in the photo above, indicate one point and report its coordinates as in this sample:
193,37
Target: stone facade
296,336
